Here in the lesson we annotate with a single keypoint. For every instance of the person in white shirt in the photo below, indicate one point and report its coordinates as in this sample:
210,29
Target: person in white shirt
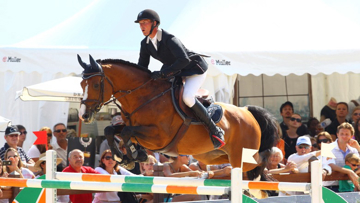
302,156
109,166
61,144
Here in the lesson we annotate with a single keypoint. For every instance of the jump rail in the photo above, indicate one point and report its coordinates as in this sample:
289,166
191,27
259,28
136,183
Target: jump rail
79,181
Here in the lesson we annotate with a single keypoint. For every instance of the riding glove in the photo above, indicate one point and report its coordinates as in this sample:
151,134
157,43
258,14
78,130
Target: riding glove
156,75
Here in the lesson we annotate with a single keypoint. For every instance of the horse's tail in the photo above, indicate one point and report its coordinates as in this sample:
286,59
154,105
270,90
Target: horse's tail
268,126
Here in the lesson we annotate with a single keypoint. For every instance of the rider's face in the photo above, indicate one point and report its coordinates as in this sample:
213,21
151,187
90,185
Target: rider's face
145,26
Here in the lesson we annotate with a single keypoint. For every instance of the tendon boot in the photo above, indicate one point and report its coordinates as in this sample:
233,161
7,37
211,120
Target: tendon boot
139,155
216,133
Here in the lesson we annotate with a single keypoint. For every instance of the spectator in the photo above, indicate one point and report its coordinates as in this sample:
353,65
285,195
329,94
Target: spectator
22,136
274,165
76,161
301,158
61,143
357,131
147,169
352,104
341,112
286,111
35,150
344,146
328,111
352,162
12,155
303,154
12,139
355,115
3,174
291,135
110,167
323,137
177,167
314,146
40,165
279,141
213,171
161,158
312,126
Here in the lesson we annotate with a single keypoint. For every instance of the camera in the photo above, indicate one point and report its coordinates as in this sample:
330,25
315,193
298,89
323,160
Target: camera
6,163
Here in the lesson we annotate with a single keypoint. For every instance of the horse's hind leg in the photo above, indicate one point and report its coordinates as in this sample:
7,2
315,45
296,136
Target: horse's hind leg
109,132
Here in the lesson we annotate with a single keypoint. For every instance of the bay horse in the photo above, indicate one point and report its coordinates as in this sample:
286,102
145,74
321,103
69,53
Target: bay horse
152,121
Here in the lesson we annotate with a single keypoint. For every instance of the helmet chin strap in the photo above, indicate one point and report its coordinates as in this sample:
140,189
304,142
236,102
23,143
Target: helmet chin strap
151,30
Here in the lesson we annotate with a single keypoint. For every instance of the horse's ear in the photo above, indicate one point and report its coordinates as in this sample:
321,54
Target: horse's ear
94,65
81,62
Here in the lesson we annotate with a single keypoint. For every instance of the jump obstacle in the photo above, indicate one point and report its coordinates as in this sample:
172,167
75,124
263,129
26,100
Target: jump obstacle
99,182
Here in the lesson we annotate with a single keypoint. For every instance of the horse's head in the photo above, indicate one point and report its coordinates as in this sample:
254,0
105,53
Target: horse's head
96,90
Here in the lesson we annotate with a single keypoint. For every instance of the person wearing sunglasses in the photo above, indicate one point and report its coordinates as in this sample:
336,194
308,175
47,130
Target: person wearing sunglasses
12,155
61,144
291,134
109,166
12,134
323,137
302,156
286,111
352,162
22,136
355,115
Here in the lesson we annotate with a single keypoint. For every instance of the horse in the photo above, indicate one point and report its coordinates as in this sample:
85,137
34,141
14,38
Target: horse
152,121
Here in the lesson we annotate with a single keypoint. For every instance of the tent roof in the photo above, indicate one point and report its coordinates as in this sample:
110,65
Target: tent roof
242,37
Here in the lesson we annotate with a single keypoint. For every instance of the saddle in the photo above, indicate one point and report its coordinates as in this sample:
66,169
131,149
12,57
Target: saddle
215,111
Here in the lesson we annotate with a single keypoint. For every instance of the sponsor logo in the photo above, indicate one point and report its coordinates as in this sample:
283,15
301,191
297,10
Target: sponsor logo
11,59
78,94
221,62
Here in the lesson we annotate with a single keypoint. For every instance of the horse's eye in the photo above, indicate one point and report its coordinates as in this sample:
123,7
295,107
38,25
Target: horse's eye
96,86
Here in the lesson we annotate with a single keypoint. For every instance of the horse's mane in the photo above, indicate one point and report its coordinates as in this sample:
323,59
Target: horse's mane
123,62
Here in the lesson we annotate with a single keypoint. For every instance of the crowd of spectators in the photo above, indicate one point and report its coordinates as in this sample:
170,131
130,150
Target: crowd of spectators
299,141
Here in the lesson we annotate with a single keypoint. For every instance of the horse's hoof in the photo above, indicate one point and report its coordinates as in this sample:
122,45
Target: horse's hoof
129,166
142,156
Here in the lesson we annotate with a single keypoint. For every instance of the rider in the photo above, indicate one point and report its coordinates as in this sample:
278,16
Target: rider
177,61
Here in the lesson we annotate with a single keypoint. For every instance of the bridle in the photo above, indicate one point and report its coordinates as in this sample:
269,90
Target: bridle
100,101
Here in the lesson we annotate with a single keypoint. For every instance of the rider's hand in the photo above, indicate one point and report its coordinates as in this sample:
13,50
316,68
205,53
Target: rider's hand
156,75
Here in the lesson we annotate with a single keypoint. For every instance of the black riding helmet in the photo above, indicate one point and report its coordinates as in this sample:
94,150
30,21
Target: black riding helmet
149,14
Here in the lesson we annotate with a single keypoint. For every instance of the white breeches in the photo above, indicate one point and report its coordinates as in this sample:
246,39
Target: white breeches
191,86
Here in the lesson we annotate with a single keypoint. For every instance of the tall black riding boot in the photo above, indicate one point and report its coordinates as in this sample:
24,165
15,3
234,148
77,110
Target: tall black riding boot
216,133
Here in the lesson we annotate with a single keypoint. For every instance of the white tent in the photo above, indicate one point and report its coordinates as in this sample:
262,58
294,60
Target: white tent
241,36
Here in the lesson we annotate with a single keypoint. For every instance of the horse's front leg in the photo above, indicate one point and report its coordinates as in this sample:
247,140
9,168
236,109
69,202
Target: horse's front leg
110,132
134,152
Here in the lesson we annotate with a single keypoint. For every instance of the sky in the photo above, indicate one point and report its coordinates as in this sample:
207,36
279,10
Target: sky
21,19
257,25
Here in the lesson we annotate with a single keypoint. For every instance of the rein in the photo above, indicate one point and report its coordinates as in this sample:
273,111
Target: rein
101,102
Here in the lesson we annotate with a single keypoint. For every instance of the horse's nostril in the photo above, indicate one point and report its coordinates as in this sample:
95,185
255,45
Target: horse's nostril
85,116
